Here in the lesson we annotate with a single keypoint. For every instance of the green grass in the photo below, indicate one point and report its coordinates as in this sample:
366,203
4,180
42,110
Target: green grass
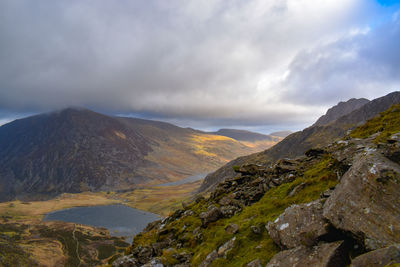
105,251
318,178
386,124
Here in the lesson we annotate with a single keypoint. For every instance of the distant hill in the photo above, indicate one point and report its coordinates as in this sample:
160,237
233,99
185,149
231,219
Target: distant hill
329,128
243,135
281,133
75,150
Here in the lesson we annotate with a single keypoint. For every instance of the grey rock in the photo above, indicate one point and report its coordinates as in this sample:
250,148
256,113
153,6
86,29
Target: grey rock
327,193
188,213
125,261
211,215
324,255
154,263
143,254
229,201
225,248
378,258
249,169
256,230
299,225
229,211
297,189
209,259
255,263
232,228
158,247
365,203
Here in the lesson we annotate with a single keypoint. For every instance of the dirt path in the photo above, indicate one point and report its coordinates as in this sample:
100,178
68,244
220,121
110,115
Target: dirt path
77,246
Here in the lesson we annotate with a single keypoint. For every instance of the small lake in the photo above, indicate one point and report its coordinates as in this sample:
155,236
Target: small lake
187,180
121,220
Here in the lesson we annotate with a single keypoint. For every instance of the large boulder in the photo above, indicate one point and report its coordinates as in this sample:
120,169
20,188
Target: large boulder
209,259
126,261
211,215
299,225
366,202
378,258
324,255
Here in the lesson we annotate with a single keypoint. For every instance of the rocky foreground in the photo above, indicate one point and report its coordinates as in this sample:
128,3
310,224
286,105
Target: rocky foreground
334,206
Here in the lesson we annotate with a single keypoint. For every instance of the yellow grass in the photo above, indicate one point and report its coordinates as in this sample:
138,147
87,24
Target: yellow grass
160,199
46,252
37,209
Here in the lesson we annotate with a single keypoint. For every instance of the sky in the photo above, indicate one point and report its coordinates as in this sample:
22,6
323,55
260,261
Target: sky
261,65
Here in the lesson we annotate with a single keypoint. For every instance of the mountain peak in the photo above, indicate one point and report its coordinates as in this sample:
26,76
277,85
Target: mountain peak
341,109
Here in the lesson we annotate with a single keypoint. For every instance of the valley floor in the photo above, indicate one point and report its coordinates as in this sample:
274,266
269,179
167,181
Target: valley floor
25,239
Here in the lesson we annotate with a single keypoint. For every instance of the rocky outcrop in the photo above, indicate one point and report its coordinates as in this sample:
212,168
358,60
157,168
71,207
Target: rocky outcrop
378,258
126,261
324,255
221,252
211,215
297,143
365,203
209,259
322,209
299,225
255,263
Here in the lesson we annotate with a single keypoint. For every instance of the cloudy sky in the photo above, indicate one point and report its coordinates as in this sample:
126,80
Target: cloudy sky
263,65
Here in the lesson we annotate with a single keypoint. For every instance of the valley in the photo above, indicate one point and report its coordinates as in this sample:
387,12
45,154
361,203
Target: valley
88,151
199,210
26,239
335,205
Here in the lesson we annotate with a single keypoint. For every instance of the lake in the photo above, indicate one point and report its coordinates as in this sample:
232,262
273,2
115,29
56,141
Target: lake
121,220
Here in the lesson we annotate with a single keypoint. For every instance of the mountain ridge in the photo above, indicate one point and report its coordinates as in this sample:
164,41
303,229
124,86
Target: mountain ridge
316,135
333,206
341,109
76,149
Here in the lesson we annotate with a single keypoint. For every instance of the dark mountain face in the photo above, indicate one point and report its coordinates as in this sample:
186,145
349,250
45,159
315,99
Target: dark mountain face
341,109
68,151
243,135
77,150
297,143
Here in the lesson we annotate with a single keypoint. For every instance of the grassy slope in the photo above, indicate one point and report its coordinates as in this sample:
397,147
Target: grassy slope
195,152
56,244
318,177
385,124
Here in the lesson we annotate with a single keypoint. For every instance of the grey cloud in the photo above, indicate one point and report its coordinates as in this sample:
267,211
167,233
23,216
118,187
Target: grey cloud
362,65
185,61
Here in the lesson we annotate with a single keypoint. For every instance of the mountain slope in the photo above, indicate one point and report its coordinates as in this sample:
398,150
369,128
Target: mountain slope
76,150
315,136
341,109
243,135
281,133
68,151
333,206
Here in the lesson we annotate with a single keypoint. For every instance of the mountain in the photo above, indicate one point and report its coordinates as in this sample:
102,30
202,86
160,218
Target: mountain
281,133
75,150
335,205
243,135
341,109
297,143
255,140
